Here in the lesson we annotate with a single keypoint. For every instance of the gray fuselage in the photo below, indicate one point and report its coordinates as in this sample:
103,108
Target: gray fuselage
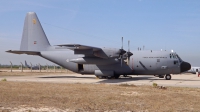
141,62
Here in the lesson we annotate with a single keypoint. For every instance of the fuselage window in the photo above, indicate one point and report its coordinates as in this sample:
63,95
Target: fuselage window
158,60
175,62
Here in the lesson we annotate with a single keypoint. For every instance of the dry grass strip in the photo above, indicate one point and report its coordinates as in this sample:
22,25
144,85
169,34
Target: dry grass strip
97,97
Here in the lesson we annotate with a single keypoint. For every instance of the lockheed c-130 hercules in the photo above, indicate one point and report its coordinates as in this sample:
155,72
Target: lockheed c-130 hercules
102,62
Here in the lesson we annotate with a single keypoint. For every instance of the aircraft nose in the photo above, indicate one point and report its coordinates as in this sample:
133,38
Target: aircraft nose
185,66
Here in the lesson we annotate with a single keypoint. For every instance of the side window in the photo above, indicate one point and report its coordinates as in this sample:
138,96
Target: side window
174,62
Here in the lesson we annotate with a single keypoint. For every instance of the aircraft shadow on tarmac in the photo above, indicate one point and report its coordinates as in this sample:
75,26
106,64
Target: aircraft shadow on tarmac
185,80
121,79
66,77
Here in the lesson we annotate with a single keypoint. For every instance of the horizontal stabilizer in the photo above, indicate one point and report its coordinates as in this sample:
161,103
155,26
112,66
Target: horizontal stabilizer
24,52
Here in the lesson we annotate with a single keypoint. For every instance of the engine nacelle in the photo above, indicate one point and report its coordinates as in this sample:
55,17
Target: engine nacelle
109,53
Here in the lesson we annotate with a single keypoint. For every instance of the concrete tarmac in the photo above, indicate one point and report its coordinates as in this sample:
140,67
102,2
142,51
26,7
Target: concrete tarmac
181,80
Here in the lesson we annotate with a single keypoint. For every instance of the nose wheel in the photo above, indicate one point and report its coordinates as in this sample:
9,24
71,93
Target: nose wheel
168,77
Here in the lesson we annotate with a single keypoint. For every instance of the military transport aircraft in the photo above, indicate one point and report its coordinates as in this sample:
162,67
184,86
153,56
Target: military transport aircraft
102,62
32,67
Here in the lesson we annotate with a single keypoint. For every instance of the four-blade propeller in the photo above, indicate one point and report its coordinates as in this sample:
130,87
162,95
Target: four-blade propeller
124,54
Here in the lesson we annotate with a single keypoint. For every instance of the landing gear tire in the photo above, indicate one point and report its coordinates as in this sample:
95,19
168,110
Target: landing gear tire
109,77
113,77
125,75
98,77
116,76
161,76
168,77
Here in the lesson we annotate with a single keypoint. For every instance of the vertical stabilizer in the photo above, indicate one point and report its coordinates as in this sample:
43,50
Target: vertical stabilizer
26,64
33,37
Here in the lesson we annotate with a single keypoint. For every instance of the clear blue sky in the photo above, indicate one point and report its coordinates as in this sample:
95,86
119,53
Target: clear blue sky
156,24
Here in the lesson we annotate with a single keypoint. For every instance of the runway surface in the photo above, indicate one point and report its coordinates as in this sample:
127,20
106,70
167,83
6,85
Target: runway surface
182,80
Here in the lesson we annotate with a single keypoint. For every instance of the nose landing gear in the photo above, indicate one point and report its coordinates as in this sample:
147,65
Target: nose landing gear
168,77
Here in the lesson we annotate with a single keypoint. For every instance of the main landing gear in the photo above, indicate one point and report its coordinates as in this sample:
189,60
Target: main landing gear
108,77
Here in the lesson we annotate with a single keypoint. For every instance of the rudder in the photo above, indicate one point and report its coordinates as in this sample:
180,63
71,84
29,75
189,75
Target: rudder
33,37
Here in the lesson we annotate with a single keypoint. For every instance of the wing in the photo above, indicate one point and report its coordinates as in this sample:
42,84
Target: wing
88,51
79,46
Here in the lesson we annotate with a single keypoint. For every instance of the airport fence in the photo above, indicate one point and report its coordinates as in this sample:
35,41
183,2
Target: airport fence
40,68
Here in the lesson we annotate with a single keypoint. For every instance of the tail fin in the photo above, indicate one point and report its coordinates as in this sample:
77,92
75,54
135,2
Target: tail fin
33,37
26,64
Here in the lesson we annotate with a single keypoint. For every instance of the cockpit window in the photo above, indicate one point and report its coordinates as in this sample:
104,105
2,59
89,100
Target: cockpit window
179,58
174,56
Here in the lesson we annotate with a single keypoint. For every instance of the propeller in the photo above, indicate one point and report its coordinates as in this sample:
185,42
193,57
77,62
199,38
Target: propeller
121,52
122,42
125,54
129,54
